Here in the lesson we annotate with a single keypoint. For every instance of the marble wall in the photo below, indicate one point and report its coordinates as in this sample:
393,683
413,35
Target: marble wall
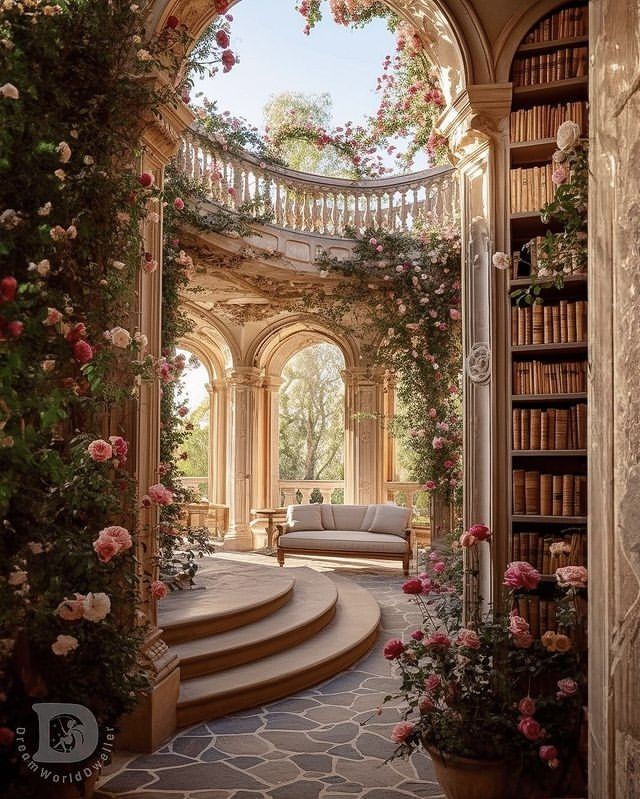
614,494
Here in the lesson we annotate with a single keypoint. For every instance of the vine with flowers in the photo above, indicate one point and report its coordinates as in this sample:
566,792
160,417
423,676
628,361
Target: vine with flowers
72,207
406,289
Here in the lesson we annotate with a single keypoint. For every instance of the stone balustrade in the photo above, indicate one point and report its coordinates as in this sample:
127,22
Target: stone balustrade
410,495
313,204
295,492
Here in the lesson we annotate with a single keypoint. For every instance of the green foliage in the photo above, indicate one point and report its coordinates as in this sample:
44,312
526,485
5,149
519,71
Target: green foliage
196,445
562,253
312,415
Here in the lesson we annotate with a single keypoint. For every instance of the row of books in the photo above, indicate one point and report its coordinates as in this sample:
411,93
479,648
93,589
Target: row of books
540,613
569,62
543,121
565,24
536,494
531,188
562,323
532,260
545,377
554,428
548,553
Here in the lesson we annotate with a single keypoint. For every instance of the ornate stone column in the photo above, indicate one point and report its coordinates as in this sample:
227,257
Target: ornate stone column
269,442
154,719
614,402
364,435
242,424
477,127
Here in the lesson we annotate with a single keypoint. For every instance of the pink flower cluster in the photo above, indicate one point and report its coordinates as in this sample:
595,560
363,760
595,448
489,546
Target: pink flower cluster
157,494
116,448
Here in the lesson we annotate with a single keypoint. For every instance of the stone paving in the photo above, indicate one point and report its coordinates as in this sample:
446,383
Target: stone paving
328,742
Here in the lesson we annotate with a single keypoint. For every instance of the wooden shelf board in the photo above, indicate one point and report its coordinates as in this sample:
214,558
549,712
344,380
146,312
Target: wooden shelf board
569,280
549,453
547,398
563,520
532,151
553,44
578,347
559,90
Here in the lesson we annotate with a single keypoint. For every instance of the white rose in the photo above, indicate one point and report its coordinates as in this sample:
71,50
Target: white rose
64,644
9,91
96,607
501,260
43,267
120,337
568,135
141,340
44,210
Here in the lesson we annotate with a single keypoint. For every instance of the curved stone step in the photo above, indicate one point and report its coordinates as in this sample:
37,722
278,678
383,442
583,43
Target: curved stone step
311,608
229,595
341,643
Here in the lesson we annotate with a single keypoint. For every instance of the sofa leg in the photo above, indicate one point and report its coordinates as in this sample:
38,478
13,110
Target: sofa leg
405,565
280,557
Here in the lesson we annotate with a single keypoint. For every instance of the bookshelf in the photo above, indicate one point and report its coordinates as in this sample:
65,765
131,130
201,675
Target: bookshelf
548,342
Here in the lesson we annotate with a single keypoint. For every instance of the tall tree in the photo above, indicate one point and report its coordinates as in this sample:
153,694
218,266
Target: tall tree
312,415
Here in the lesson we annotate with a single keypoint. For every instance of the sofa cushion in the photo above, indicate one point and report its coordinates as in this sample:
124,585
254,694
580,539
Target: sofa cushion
326,511
304,517
390,519
344,541
349,517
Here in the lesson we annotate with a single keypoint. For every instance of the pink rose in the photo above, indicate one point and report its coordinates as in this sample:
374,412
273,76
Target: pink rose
159,589
425,705
560,175
573,576
521,574
432,684
518,625
100,450
53,317
430,485
438,442
467,540
567,687
106,548
160,494
82,352
439,566
417,635
7,736
527,706
530,728
222,39
402,731
119,534
393,649
454,314
178,204
412,586
468,638
183,411
480,532
64,644
146,180
438,640
548,753
71,609
228,60
120,448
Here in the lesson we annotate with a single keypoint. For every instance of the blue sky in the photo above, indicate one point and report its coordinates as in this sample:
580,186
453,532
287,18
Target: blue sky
276,56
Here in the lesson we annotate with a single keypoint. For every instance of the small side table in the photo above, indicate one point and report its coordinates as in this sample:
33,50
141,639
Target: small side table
270,514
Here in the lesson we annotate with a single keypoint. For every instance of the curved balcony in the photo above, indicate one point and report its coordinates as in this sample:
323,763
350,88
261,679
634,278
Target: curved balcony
312,204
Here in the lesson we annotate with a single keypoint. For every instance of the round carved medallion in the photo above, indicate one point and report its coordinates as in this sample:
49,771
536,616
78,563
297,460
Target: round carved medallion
479,363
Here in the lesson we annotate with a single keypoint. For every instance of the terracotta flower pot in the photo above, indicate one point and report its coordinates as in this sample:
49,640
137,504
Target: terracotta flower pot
463,778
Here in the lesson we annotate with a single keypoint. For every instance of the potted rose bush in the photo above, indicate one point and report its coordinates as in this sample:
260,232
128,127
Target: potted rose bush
497,710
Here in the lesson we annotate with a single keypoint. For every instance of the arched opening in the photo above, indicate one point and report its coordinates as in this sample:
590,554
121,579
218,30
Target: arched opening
195,412
311,426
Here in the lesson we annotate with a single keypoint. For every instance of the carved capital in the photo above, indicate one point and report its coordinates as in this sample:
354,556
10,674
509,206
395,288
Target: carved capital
478,363
244,377
162,130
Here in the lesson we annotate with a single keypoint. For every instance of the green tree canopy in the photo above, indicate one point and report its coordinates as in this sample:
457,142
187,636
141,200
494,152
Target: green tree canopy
312,415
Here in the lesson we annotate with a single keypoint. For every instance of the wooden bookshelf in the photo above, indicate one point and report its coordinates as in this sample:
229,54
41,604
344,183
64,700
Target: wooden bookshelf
538,108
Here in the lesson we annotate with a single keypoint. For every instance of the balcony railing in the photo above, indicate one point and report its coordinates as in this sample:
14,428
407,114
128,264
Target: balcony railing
313,204
302,492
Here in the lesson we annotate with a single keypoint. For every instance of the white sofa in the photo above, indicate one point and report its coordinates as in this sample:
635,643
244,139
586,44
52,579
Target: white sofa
365,531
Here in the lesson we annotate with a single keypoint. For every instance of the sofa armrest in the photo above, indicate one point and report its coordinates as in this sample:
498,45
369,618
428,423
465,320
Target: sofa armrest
281,528
407,535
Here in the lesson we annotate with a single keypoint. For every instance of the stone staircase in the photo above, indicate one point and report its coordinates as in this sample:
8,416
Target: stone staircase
256,633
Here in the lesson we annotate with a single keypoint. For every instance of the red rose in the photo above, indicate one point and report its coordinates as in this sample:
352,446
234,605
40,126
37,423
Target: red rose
172,22
228,60
548,753
222,39
530,728
82,352
8,288
146,180
393,649
480,532
77,332
15,328
413,586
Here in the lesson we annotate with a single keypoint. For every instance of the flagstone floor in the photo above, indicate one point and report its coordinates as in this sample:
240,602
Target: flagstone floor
328,742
